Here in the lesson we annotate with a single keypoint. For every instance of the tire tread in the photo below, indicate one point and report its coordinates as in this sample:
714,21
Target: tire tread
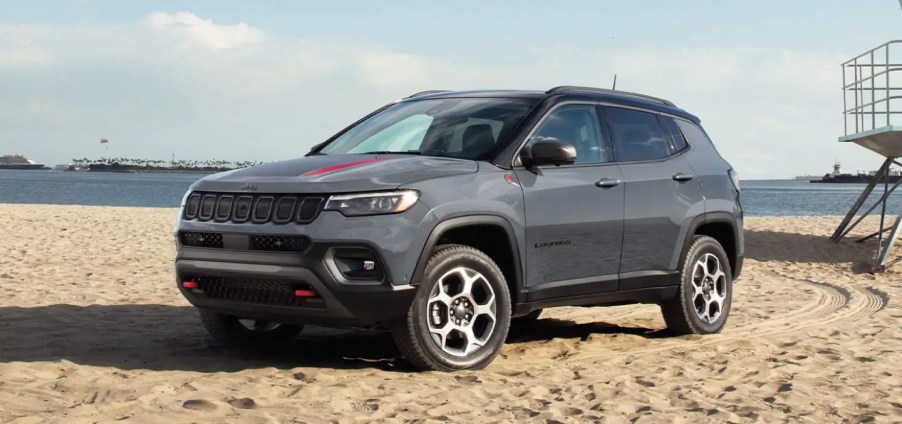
676,312
405,332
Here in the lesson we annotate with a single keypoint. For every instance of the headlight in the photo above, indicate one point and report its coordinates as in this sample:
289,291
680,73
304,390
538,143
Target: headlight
372,203
185,198
178,217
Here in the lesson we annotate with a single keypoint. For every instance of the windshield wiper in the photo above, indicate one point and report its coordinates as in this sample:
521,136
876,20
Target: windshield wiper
388,152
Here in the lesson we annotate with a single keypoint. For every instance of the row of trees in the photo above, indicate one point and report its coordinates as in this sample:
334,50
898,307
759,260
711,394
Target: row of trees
164,164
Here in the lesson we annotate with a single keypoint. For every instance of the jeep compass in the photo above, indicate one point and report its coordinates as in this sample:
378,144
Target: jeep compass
445,216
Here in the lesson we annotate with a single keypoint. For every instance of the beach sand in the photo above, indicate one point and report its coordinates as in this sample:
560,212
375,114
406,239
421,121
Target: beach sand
93,329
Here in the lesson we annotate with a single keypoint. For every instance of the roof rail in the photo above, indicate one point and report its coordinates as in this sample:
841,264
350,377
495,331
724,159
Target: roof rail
426,93
563,88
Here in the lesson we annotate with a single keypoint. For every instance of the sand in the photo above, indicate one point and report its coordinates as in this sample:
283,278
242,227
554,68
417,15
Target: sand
92,329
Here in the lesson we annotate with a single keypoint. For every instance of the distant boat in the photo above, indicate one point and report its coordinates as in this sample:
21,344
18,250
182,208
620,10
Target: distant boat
837,177
20,162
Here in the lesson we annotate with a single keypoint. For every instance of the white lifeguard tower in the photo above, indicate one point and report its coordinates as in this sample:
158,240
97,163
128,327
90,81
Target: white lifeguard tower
872,107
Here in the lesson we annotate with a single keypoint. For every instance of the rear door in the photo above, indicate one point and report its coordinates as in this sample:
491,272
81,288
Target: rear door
574,213
661,196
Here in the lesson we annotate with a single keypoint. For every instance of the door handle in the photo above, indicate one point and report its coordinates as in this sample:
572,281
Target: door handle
681,177
607,183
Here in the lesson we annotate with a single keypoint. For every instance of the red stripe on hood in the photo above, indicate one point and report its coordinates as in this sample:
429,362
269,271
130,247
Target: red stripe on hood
339,167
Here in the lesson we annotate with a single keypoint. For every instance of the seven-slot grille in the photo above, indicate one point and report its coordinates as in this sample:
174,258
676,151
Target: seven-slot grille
256,208
264,292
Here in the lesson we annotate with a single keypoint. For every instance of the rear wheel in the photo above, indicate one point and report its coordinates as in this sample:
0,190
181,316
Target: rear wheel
460,315
231,331
703,303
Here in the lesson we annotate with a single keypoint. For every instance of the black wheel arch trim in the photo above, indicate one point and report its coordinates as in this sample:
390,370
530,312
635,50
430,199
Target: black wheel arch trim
465,221
709,218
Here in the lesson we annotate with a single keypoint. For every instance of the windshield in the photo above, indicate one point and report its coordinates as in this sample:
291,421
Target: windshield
465,128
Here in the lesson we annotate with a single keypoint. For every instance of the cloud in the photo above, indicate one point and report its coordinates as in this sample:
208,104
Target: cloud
179,83
204,32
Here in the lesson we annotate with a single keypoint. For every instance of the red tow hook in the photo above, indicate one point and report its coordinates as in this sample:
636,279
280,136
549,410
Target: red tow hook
305,293
190,285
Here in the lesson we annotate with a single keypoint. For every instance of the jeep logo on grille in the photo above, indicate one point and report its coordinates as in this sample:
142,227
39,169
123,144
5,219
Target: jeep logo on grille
249,187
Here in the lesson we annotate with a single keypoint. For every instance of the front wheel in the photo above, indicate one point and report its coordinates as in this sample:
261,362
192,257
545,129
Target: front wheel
460,315
231,331
706,289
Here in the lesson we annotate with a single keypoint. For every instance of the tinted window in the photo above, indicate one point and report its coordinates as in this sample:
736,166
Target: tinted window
677,141
577,125
453,127
637,135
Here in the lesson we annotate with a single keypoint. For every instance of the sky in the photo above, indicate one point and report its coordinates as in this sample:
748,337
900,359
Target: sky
265,81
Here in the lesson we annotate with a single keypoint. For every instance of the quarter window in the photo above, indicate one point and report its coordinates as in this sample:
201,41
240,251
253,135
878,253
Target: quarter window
579,126
637,135
677,141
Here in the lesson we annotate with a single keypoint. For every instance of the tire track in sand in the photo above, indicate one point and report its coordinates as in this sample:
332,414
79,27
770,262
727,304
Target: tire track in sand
832,304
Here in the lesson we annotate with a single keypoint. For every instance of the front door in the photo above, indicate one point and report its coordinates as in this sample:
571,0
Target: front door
574,213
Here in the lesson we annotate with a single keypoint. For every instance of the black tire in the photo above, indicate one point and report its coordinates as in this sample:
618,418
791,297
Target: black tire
228,331
412,334
691,312
530,317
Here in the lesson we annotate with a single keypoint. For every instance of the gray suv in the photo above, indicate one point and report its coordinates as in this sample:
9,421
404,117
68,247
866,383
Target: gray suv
446,216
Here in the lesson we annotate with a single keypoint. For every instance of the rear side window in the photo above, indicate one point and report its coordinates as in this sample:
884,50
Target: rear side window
636,135
677,141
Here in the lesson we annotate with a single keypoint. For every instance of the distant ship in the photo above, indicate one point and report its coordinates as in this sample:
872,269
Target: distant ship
837,177
20,162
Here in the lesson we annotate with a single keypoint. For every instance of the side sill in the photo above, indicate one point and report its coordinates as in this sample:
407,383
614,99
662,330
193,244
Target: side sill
626,297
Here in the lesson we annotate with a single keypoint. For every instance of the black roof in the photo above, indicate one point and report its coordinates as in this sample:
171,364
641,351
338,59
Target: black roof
569,92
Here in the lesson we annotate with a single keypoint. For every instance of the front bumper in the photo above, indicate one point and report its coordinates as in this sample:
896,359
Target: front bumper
395,241
338,302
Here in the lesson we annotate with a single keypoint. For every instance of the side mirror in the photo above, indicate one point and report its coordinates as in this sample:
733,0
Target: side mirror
548,151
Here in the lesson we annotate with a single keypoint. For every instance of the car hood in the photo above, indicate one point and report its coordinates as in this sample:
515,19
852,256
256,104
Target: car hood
335,174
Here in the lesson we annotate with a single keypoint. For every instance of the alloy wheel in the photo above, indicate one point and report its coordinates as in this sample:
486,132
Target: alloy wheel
709,285
461,311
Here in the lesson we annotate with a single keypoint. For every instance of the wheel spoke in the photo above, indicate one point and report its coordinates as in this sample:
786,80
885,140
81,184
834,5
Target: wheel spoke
468,282
441,333
713,316
706,316
485,310
441,297
473,343
439,294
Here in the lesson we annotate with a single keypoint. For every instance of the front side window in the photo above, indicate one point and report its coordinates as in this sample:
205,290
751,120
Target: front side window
468,128
579,126
637,135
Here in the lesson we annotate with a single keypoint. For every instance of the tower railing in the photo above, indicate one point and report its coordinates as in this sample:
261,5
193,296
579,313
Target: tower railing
870,98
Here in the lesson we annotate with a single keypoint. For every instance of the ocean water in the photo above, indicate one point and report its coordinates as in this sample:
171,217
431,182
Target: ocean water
759,197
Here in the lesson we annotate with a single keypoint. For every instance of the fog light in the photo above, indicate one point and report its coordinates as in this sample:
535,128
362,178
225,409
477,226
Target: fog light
357,264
